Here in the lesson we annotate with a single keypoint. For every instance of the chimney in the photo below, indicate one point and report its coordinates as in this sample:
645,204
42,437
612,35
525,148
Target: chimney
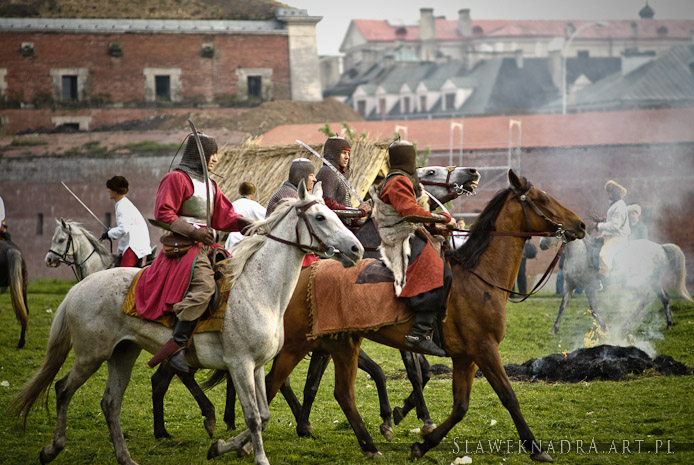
464,22
519,58
427,34
554,61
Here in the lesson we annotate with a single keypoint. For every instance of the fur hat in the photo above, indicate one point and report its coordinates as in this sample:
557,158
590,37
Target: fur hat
613,186
634,208
118,184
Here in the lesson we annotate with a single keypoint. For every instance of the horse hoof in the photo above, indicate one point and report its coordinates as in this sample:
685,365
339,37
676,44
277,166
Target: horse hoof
373,455
427,428
398,415
231,426
541,457
209,424
245,451
387,432
213,451
162,435
305,431
416,451
552,331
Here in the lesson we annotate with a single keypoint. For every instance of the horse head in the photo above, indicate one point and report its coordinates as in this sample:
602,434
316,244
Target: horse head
322,231
448,182
61,244
542,213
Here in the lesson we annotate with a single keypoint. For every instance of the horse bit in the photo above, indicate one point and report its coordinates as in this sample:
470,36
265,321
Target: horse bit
328,251
453,190
62,257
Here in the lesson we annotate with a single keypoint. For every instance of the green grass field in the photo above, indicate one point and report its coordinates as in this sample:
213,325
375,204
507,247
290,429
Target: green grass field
610,421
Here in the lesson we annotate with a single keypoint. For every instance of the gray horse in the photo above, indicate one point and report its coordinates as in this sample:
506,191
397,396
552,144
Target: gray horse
642,268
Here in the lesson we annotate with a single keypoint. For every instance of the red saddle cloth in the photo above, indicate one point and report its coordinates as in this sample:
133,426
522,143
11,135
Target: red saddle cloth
352,299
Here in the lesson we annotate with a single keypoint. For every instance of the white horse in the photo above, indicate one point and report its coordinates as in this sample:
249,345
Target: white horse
642,268
73,245
265,270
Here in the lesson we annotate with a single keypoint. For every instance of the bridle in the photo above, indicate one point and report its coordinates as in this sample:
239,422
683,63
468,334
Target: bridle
326,250
560,232
63,257
453,190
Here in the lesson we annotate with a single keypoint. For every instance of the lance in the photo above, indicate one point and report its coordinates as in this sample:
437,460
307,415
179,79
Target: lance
203,161
85,207
335,170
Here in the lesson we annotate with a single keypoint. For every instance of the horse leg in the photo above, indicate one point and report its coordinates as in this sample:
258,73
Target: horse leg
206,408
22,334
230,404
463,376
665,299
345,358
120,367
417,368
365,363
292,400
592,297
160,384
490,363
244,375
317,366
64,390
568,289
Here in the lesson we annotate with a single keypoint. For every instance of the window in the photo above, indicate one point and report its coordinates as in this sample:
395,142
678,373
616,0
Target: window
584,54
406,105
162,87
255,86
361,108
69,87
422,103
450,101
39,224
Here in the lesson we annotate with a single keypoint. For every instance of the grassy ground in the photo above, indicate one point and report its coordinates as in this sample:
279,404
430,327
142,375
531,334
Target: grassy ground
645,411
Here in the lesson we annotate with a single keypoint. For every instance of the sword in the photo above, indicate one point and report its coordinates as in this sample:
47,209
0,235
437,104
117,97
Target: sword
85,207
335,170
203,160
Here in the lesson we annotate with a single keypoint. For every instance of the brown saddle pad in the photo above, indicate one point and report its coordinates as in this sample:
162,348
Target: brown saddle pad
343,300
210,321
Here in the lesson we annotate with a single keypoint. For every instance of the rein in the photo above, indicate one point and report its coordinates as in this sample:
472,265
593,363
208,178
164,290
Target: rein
560,233
328,251
453,190
63,257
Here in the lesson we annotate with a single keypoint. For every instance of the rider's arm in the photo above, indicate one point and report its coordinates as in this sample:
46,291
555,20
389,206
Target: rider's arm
399,192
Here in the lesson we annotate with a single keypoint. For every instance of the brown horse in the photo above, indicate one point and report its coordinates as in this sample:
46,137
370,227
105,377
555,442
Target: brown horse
483,269
13,274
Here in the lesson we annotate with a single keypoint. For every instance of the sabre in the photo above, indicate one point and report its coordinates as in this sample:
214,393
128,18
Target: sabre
203,161
335,170
85,207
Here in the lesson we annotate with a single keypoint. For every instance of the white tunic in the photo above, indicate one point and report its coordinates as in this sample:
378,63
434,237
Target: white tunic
131,230
249,209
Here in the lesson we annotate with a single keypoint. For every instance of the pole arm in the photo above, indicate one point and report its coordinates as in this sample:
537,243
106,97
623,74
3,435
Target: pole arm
85,206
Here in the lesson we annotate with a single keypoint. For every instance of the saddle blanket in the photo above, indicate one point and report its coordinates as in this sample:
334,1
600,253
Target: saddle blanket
352,299
209,322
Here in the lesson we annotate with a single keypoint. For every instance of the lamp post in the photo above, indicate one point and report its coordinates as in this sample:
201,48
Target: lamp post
564,52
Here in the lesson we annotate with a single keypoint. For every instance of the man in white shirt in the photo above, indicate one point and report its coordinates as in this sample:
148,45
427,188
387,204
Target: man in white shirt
246,207
131,230
615,229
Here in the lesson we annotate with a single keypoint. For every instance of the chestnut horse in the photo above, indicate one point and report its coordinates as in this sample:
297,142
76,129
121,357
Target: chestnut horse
483,270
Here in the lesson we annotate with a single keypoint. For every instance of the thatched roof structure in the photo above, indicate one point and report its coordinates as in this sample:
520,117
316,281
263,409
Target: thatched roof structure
268,167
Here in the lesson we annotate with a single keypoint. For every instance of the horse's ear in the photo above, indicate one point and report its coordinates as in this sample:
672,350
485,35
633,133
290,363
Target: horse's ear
62,223
318,189
301,188
515,180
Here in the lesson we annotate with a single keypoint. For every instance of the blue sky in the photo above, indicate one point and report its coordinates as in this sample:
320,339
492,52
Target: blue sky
337,14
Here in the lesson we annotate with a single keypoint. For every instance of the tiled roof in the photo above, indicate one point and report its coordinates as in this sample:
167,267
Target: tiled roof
446,29
547,130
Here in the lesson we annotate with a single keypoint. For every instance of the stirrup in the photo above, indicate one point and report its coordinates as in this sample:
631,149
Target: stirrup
424,344
178,360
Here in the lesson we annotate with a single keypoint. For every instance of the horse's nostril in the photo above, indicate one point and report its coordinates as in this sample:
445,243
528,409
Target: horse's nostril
355,249
472,171
583,226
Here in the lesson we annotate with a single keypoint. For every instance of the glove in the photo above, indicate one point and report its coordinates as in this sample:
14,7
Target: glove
104,236
204,235
244,224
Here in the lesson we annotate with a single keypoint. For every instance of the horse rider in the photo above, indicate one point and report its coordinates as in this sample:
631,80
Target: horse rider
638,229
614,230
422,277
248,208
131,228
185,284
335,193
300,169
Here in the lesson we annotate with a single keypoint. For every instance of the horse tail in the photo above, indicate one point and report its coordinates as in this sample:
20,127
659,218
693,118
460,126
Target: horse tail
18,282
678,266
216,377
57,350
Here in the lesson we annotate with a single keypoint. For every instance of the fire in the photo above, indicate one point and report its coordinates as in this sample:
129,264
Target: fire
594,335
565,354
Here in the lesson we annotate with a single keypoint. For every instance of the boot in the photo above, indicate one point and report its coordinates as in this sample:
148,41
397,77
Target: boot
419,337
181,334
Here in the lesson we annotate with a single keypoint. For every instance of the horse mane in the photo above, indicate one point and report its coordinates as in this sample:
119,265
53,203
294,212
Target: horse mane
245,249
470,253
98,246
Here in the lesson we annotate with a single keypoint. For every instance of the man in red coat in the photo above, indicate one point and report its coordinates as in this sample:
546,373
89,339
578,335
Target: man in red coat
421,276
185,284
